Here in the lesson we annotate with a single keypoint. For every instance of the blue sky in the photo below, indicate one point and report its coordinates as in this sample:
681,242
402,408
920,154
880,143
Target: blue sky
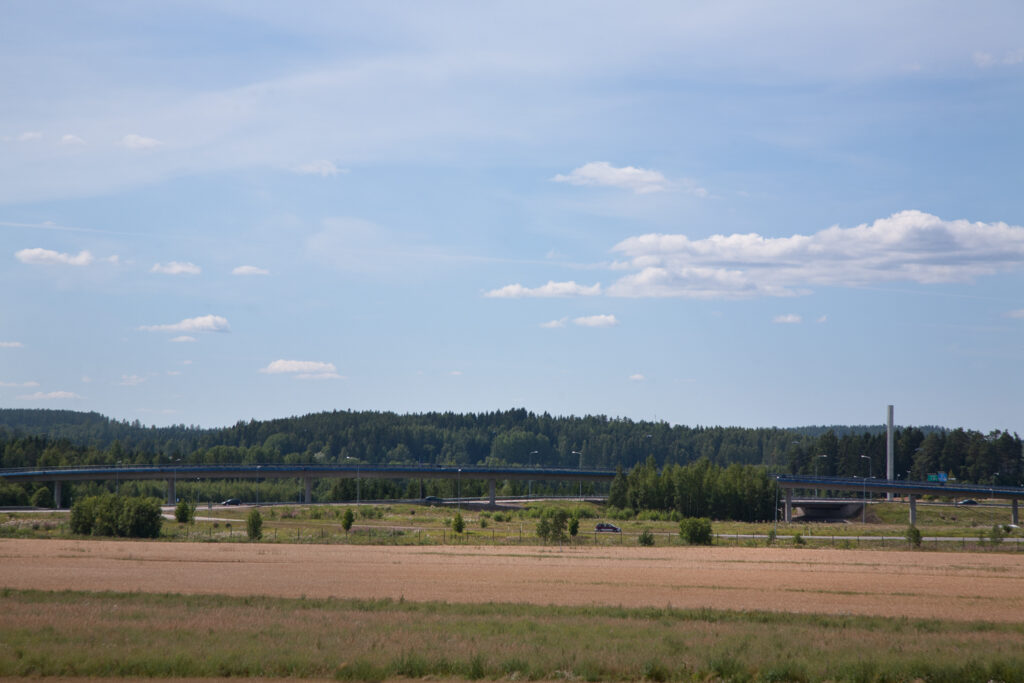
709,213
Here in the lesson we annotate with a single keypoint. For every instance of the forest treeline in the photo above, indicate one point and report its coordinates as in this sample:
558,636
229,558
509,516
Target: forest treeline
44,438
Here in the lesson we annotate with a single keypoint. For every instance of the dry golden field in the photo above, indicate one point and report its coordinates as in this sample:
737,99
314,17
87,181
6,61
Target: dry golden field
955,586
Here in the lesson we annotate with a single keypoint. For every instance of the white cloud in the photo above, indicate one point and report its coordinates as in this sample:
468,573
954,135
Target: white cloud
456,373
552,324
823,319
174,373
133,141
176,268
183,339
19,384
1019,313
303,369
47,396
131,380
70,139
603,174
910,246
596,321
986,60
321,168
48,257
203,323
787,319
11,345
551,289
30,136
637,378
250,270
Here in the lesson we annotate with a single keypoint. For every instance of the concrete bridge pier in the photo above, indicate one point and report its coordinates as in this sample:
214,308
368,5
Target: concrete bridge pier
789,505
56,495
1013,512
308,481
913,509
492,483
172,497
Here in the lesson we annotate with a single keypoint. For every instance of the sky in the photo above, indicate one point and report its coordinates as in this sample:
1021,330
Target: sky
704,213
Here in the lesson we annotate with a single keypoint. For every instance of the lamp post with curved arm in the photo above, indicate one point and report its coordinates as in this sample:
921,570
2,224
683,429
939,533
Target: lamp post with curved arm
580,453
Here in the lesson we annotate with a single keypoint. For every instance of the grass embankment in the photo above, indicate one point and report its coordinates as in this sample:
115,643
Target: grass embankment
141,635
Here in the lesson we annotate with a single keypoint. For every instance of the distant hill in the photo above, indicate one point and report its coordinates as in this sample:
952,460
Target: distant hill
510,437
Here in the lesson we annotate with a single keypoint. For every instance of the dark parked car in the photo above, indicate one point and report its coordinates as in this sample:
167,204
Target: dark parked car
432,500
232,501
968,501
605,526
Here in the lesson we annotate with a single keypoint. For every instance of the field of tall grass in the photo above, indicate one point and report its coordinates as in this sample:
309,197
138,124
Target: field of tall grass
76,634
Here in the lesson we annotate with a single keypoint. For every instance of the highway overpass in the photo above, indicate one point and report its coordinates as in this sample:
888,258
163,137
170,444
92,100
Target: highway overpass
911,490
308,473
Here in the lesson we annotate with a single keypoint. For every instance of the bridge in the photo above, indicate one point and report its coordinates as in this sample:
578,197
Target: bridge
906,488
308,473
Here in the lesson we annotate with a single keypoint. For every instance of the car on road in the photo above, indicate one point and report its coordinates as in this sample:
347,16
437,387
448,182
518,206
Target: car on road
605,526
231,501
432,500
968,501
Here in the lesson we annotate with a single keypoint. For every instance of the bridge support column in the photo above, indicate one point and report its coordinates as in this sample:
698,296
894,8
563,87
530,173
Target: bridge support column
789,506
1013,512
913,509
309,489
491,483
172,497
56,497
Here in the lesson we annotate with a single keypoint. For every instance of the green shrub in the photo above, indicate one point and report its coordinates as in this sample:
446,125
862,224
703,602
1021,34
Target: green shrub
110,515
798,539
458,524
347,519
696,530
141,518
42,498
254,525
914,536
645,538
483,522
771,537
574,526
552,525
997,534
12,494
184,513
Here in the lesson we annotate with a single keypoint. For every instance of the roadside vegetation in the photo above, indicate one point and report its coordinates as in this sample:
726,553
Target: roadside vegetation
980,527
155,636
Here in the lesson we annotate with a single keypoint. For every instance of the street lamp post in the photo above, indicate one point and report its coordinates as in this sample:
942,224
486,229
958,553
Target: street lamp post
349,457
579,453
458,502
529,484
817,492
864,493
258,485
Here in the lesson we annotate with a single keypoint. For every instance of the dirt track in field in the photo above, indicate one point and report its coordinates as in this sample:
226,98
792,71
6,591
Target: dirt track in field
960,586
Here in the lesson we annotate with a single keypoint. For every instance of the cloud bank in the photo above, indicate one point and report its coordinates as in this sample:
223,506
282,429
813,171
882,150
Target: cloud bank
551,289
250,270
203,323
603,174
48,257
302,369
907,246
176,268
